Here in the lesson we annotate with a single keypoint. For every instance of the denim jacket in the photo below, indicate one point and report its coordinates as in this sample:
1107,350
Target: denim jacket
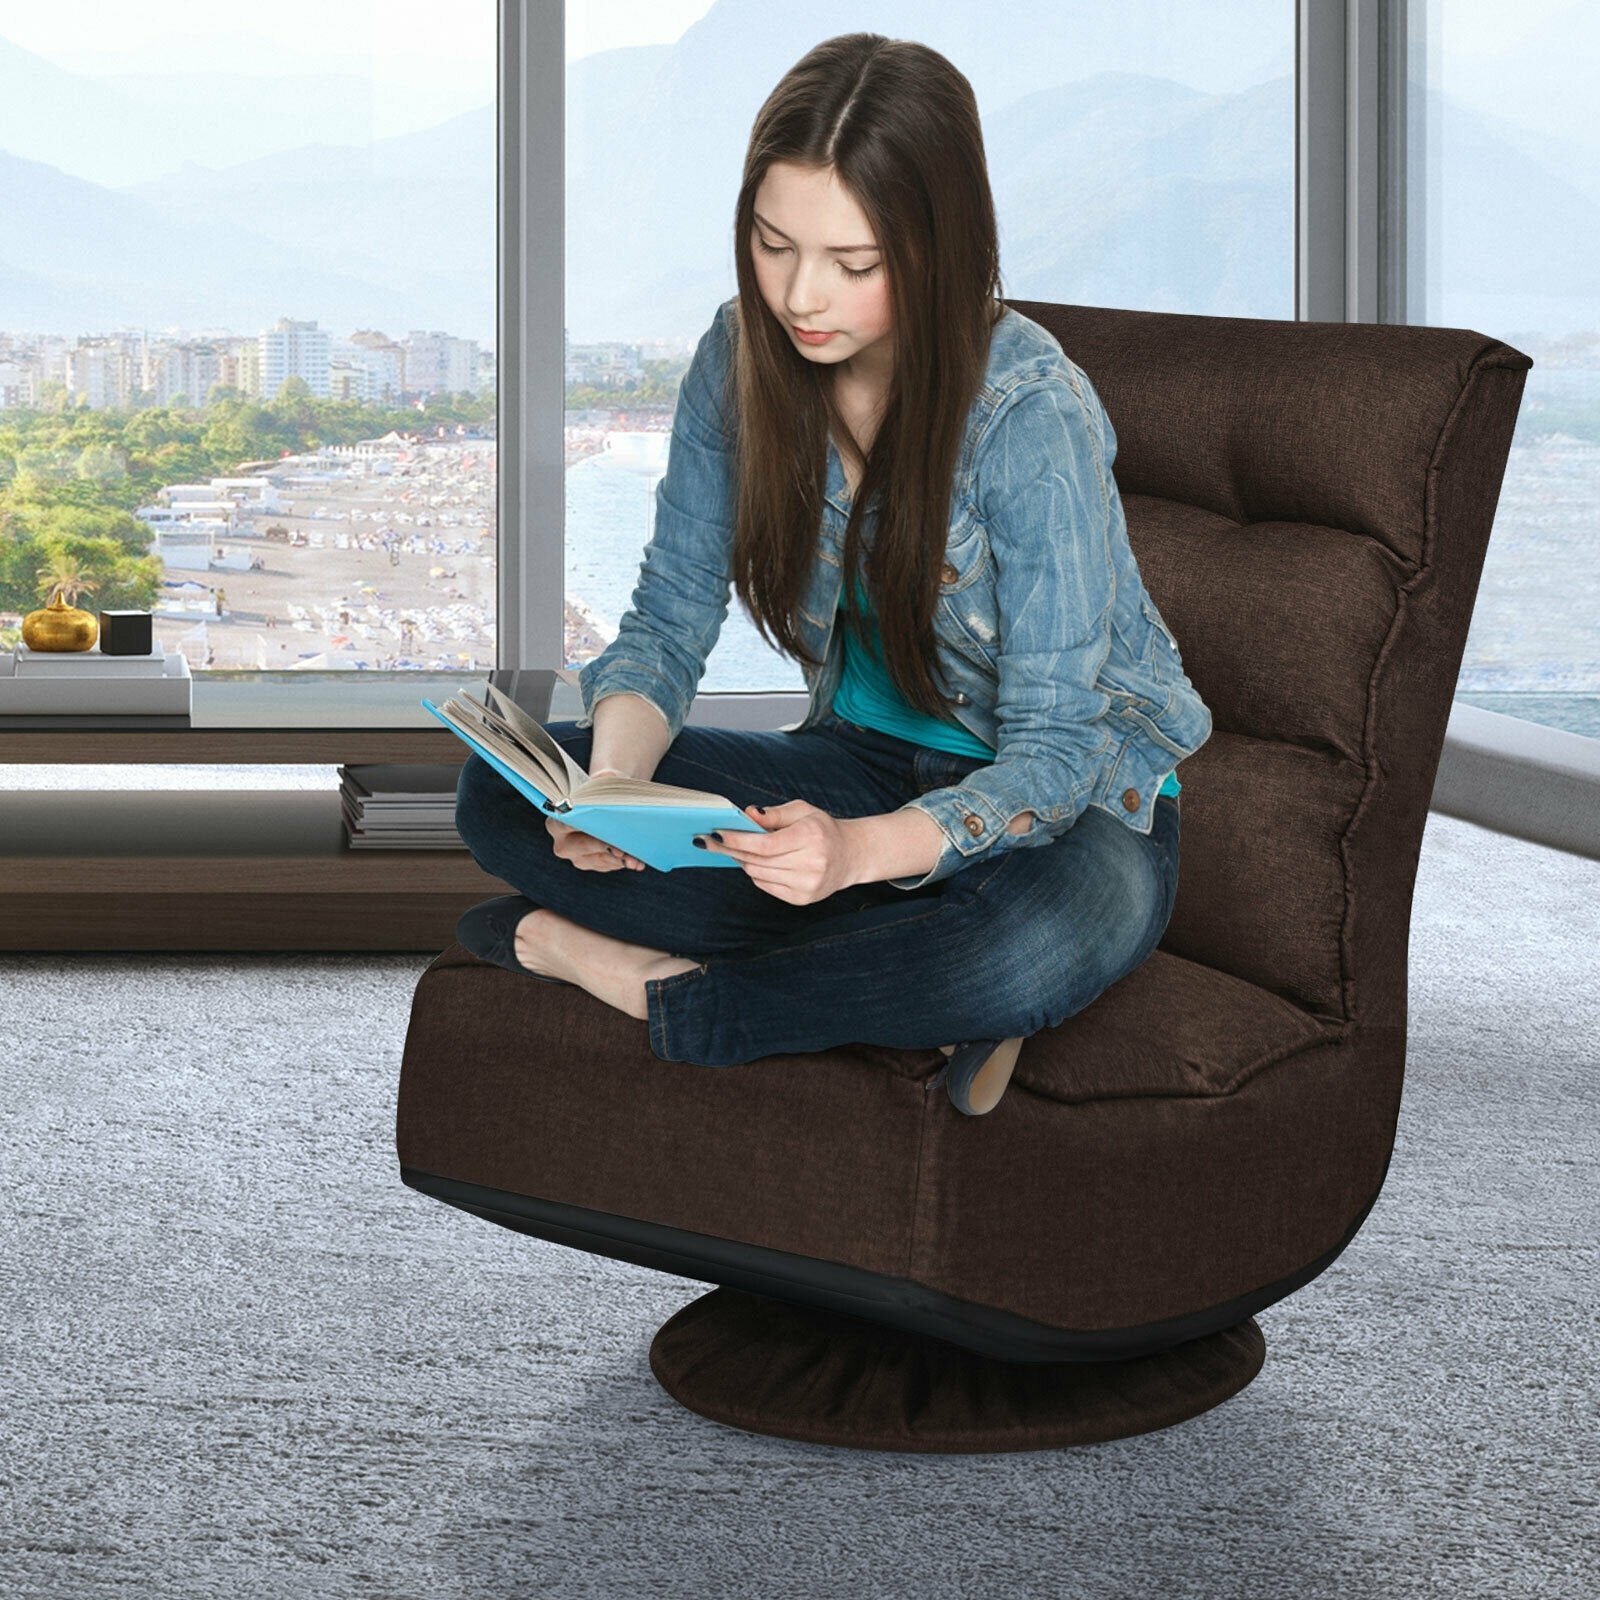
1054,652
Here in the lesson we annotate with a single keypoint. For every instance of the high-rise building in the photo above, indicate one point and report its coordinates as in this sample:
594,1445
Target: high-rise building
102,372
294,350
439,363
384,360
186,370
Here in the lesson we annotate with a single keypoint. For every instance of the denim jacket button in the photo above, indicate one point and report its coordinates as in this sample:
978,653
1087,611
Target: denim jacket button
1130,799
948,573
974,826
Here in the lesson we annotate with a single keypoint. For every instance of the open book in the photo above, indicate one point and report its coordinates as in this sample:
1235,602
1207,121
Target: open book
655,822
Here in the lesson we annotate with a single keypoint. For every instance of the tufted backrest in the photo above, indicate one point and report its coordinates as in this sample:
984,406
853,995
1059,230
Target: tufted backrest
1310,504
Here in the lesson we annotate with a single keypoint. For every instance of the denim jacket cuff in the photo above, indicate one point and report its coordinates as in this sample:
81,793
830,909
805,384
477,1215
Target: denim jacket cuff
959,810
624,677
973,829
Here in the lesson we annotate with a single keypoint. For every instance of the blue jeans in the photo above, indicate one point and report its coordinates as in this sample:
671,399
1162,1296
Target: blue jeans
1002,948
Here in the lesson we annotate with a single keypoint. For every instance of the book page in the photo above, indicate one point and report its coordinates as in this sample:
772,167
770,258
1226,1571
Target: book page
484,728
535,749
611,790
609,787
537,738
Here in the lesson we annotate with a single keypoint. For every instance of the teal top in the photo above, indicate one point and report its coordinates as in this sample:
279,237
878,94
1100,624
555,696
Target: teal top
867,696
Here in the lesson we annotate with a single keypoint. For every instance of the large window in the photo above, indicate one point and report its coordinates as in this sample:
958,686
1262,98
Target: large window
1506,187
249,318
248,327
1141,155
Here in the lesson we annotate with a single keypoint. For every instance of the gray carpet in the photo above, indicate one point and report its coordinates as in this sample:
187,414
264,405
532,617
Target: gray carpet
241,1360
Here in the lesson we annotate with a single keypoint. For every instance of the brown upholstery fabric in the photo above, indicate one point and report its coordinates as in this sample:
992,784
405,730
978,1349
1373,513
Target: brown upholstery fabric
1310,504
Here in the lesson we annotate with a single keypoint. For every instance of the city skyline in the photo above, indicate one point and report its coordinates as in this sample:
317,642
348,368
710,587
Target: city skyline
108,370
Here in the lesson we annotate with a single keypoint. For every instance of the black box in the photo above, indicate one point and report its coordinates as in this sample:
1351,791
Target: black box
126,633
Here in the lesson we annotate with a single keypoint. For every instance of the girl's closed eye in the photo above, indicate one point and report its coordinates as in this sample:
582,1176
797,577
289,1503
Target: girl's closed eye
849,272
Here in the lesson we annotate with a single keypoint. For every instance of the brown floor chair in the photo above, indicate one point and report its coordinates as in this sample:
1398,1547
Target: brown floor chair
1310,504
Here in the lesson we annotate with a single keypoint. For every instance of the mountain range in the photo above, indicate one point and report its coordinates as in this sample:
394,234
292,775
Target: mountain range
1167,185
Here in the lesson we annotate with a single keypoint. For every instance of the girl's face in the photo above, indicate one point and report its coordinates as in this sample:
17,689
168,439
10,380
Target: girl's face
812,277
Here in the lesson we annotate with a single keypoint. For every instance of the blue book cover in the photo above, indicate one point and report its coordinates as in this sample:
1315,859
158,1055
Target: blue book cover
655,822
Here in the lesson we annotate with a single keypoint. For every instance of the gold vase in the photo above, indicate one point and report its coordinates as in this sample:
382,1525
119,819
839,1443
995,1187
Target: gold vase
60,627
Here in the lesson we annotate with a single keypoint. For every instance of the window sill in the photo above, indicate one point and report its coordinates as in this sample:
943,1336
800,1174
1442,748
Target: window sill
1518,777
1521,778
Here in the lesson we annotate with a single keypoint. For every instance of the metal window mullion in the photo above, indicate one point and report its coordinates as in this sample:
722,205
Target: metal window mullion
529,450
1362,162
1396,103
1351,154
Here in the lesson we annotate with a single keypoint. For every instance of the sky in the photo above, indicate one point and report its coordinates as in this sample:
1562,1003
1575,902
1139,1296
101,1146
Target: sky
102,38
430,61
413,39
419,37
595,25
422,42
1491,27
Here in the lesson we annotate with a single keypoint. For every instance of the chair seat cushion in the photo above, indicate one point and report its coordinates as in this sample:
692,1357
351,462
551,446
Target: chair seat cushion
1163,1150
1171,1027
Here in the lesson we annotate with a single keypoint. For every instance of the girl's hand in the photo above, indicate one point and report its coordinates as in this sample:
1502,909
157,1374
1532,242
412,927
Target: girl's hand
585,851
804,856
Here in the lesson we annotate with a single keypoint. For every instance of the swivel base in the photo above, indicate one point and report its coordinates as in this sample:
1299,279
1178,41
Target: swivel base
801,1372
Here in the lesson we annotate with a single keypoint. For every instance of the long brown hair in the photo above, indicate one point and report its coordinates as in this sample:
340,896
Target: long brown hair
899,126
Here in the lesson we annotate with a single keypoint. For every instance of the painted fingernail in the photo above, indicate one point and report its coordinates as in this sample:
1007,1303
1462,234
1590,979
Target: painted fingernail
700,843
717,837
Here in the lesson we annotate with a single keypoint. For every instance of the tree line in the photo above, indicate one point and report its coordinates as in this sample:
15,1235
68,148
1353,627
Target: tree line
71,478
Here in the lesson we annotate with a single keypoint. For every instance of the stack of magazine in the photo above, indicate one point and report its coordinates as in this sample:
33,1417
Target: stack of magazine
46,690
654,822
394,806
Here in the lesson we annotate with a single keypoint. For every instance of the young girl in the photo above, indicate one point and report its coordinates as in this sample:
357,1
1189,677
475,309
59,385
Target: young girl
974,829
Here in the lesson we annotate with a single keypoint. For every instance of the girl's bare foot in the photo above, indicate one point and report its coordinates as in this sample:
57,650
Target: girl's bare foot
610,969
